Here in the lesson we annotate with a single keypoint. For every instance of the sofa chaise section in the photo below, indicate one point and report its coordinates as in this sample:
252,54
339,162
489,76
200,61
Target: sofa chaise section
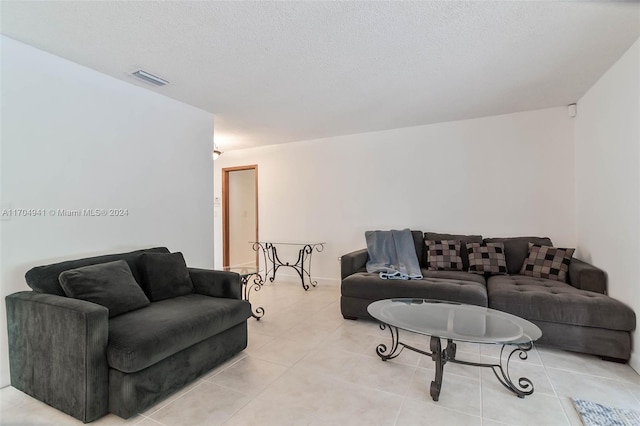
570,318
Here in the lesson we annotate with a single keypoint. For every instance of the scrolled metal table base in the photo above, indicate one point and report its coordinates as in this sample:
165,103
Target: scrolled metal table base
255,285
302,265
440,356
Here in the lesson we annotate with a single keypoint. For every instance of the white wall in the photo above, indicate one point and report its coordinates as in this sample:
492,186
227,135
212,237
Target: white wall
608,180
73,138
505,175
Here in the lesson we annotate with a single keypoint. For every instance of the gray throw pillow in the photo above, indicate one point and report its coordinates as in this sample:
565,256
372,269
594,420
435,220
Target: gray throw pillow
464,240
443,255
108,284
487,258
165,275
547,262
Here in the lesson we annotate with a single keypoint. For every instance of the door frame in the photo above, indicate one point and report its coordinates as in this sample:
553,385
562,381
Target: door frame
225,208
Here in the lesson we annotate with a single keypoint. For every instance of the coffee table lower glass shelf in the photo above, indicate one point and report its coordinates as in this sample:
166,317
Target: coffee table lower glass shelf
456,322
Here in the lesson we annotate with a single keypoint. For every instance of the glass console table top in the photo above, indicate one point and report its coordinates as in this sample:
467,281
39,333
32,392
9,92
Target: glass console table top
467,323
287,243
242,270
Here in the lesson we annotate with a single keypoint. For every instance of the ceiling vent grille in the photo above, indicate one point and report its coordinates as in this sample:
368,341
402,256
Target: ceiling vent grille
150,78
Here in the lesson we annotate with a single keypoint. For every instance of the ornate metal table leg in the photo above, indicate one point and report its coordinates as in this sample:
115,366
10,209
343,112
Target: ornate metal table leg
436,356
272,254
267,259
395,344
299,266
441,357
307,251
246,290
501,371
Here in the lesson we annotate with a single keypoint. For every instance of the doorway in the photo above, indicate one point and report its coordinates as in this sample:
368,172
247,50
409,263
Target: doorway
239,215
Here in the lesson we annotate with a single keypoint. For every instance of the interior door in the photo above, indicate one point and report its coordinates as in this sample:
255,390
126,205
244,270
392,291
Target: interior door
240,215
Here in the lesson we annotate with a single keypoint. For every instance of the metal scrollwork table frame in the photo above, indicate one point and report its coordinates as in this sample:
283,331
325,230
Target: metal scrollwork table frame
251,281
302,265
517,345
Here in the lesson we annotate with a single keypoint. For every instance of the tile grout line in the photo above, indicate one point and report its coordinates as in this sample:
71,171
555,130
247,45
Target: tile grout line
546,372
591,375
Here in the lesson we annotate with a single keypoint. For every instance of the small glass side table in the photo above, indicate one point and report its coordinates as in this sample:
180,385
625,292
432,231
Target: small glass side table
251,280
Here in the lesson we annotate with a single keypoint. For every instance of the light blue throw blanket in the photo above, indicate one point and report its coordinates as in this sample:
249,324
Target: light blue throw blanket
393,255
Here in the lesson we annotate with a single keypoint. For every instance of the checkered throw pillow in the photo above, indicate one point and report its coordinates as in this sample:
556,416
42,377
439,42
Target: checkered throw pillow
487,258
547,262
443,255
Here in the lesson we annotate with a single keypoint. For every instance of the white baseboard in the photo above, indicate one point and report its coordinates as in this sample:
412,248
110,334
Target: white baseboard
290,278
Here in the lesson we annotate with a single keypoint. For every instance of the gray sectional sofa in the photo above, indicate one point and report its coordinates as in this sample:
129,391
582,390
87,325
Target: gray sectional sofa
576,316
86,359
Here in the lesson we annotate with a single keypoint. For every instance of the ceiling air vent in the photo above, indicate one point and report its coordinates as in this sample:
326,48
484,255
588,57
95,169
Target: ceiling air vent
150,78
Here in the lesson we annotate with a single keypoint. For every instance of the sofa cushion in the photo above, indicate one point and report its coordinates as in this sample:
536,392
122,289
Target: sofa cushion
369,286
547,262
464,239
108,284
164,275
454,275
443,255
45,278
516,249
487,258
141,338
540,299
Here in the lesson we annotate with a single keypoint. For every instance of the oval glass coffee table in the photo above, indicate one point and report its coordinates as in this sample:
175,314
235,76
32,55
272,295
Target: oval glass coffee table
456,322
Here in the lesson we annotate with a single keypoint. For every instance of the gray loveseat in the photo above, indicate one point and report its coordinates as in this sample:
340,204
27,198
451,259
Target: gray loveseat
78,357
576,316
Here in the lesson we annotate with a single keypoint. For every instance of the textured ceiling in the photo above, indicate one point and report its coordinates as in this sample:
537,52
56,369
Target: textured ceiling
275,72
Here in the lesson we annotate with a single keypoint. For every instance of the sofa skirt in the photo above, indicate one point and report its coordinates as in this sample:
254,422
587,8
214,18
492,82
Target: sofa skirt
132,393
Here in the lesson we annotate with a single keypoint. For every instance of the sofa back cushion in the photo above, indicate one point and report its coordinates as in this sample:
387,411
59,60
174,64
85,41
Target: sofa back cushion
44,279
420,248
165,275
108,284
464,240
516,249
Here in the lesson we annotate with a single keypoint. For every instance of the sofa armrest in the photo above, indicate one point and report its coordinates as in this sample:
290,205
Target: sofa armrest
216,283
585,276
58,352
353,262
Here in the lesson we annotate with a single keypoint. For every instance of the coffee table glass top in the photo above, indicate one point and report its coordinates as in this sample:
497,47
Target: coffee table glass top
242,270
449,320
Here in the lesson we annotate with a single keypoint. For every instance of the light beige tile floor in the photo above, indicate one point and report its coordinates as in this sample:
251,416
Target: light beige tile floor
306,365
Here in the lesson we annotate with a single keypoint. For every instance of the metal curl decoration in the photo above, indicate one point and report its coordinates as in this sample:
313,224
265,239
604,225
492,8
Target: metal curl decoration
302,265
501,371
393,352
256,285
